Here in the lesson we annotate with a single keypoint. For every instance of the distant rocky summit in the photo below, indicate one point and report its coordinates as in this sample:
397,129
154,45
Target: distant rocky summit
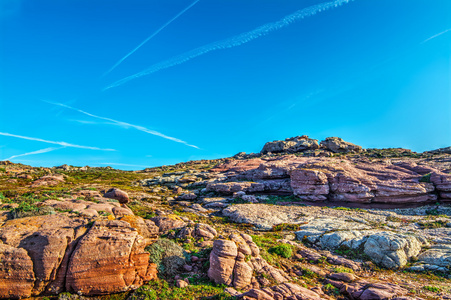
304,143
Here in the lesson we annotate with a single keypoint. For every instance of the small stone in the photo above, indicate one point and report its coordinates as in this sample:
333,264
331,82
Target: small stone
181,283
188,268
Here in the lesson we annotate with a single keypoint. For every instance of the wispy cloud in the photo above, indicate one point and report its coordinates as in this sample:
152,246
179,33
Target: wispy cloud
150,37
436,35
126,125
234,41
33,152
125,165
64,144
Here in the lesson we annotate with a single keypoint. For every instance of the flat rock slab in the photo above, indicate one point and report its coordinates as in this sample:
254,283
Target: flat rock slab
266,216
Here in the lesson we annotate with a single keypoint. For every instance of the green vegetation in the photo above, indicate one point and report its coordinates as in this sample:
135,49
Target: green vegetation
285,227
435,224
283,250
167,255
343,270
349,209
160,290
426,178
432,288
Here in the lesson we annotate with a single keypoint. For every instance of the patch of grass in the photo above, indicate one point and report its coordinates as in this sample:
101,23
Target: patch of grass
435,224
279,199
285,227
431,288
26,209
343,270
161,290
349,209
283,250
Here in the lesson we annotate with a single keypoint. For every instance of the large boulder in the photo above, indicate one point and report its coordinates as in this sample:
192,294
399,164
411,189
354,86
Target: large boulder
55,253
113,253
229,266
291,145
118,195
337,145
391,250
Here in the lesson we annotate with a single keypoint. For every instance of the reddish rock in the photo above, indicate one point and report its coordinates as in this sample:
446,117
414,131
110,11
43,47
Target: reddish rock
48,181
113,253
338,180
16,273
118,195
336,144
47,254
167,223
233,187
228,263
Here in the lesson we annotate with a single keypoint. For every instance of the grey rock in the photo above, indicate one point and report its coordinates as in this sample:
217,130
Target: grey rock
391,250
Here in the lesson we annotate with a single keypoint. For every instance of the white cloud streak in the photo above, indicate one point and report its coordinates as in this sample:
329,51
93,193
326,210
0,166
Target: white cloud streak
151,36
234,41
64,144
435,35
126,125
33,152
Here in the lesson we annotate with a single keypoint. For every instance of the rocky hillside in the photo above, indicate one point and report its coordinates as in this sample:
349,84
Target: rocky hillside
302,219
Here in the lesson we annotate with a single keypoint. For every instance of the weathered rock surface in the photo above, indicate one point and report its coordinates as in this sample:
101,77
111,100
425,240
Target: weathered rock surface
228,265
330,179
113,253
291,145
264,216
54,253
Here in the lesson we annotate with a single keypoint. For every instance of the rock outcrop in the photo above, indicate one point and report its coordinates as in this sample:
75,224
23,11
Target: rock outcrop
338,145
50,254
291,145
334,180
233,262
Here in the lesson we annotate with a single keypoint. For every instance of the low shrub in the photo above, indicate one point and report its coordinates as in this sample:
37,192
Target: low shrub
283,250
168,256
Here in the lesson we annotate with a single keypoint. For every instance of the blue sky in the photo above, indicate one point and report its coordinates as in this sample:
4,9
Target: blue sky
211,81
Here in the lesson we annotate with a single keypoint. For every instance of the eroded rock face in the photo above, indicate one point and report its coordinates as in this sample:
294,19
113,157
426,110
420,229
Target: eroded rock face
113,253
233,263
53,253
330,179
391,250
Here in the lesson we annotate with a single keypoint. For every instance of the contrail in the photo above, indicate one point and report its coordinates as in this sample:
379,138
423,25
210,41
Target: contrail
151,36
436,35
234,41
64,144
34,152
126,125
